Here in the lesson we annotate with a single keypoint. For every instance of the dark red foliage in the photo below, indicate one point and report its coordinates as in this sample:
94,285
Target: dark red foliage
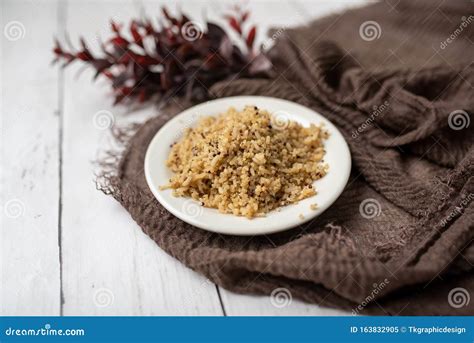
178,57
234,23
251,36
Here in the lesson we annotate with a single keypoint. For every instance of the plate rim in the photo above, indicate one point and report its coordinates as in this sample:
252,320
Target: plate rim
239,232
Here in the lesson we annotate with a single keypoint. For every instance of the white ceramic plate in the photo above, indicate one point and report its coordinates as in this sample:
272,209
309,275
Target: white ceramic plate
328,188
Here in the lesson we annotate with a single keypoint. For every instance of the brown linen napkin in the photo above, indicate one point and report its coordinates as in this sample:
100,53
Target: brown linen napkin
399,239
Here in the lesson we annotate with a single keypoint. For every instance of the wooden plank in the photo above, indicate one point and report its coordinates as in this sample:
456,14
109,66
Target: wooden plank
278,15
109,266
30,280
281,304
313,9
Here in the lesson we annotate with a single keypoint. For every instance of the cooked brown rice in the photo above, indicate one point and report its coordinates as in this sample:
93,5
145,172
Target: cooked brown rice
246,163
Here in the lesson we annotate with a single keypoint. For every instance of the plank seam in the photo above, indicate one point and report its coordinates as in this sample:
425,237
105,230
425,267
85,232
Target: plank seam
220,300
61,20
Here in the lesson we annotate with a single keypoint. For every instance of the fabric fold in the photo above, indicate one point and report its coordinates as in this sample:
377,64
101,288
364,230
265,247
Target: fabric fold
405,108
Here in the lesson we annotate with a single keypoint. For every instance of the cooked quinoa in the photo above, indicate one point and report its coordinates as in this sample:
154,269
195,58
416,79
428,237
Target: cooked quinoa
247,164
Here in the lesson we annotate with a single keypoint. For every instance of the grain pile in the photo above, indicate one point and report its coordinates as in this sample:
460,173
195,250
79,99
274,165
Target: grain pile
247,163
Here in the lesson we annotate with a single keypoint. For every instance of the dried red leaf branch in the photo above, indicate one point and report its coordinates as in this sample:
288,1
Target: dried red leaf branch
178,57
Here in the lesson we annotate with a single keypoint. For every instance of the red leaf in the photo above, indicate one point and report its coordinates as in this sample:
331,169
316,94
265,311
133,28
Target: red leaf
119,42
115,27
108,74
145,61
235,24
184,19
125,58
126,90
148,27
135,34
57,47
251,37
172,65
166,13
173,20
84,56
83,44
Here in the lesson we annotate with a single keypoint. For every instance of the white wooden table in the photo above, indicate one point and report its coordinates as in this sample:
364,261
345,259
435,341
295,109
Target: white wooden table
66,248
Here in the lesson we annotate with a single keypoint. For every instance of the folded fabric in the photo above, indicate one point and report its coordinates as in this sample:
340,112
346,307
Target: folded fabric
398,81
